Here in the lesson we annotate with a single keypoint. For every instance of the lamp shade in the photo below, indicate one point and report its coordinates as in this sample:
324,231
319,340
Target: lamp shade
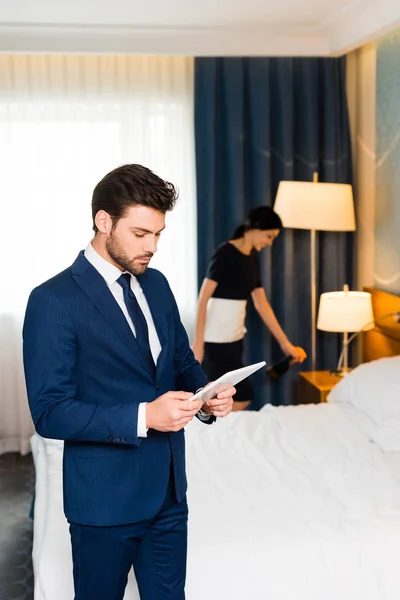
319,206
345,311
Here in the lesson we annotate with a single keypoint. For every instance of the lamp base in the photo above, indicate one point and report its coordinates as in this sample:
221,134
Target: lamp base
340,372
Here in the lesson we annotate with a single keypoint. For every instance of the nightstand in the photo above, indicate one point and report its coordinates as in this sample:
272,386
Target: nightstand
314,386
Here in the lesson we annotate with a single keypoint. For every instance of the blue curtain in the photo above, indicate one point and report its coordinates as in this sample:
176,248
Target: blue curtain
259,121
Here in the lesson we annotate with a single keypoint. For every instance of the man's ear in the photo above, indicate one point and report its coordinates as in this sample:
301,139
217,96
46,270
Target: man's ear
103,222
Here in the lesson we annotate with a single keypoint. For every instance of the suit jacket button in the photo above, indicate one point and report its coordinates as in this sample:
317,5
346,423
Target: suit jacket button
157,386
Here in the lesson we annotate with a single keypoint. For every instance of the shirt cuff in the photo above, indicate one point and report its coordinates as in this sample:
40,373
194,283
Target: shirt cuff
141,422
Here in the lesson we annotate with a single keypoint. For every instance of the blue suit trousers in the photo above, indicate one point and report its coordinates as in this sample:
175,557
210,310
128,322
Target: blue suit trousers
155,548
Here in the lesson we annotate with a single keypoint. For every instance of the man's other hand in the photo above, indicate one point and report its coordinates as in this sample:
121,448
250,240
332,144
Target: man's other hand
222,404
171,411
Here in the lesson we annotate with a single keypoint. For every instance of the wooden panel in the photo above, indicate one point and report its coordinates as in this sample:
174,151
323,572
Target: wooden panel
314,386
323,380
308,394
379,345
384,340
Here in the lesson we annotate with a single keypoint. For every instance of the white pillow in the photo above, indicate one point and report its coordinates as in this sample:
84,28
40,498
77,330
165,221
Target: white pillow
374,389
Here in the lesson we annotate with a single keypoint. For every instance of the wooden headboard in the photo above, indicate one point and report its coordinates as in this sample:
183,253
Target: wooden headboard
384,340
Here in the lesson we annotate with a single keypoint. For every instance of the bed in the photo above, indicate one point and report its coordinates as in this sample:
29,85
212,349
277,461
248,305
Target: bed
298,502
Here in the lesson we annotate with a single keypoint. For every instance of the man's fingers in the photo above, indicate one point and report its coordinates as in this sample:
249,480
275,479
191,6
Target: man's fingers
214,402
185,421
221,413
180,415
219,401
227,393
220,407
182,423
179,395
191,405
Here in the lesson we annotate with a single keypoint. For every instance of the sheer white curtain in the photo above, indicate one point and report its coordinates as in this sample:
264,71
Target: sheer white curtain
65,121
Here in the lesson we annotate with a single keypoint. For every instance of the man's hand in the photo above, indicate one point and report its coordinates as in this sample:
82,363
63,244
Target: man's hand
171,411
222,405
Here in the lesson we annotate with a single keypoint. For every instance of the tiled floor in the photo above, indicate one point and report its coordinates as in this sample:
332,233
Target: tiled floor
16,490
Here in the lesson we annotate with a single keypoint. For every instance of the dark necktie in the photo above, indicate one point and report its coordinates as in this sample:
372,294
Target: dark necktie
138,318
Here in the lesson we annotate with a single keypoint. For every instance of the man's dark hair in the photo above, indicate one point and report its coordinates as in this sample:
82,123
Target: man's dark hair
129,185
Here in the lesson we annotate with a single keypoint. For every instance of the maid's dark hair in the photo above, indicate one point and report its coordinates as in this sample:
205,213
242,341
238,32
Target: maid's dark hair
262,217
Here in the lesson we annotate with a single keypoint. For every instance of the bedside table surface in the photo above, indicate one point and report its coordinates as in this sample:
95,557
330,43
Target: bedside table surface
323,380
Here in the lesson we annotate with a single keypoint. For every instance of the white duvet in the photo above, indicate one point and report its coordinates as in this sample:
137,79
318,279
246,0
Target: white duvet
289,503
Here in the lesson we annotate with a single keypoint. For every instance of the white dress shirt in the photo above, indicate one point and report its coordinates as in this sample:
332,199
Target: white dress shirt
110,273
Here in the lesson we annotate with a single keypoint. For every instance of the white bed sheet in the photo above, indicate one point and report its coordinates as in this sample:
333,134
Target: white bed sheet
314,515
364,424
52,559
288,503
39,457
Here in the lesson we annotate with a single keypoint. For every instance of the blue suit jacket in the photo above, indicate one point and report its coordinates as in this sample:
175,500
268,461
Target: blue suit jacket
85,379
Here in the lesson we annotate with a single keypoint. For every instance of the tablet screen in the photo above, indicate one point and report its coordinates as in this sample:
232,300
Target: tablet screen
225,381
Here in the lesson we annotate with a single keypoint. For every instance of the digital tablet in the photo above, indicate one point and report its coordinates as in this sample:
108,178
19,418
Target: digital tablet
222,383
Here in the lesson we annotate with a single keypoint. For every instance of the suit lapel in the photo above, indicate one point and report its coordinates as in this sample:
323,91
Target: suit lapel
94,286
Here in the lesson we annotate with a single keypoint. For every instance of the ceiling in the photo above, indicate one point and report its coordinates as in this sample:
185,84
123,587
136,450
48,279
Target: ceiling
195,27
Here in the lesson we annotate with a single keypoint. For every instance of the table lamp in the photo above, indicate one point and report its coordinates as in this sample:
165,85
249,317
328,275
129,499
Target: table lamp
345,312
318,207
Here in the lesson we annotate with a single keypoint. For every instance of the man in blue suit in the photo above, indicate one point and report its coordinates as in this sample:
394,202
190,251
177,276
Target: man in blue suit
103,348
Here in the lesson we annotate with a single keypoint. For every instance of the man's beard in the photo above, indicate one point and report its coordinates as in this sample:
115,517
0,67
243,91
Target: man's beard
118,255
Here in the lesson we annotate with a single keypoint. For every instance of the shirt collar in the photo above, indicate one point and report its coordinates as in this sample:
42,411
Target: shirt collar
108,271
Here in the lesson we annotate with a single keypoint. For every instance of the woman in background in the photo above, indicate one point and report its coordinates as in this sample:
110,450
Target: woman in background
232,277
